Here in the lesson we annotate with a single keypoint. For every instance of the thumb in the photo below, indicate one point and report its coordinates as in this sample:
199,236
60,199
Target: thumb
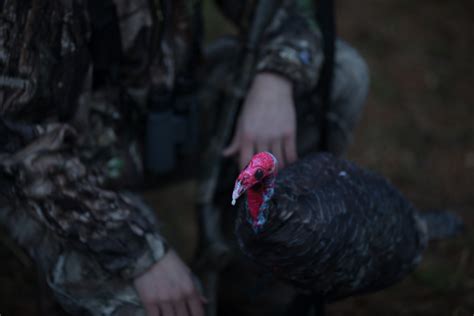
232,149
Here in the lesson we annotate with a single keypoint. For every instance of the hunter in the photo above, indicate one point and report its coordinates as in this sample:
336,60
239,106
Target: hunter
79,81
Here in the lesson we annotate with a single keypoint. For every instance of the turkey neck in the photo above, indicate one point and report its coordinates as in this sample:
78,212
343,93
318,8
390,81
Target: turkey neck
257,200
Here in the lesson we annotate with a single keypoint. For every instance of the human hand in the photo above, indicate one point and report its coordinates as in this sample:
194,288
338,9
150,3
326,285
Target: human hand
167,289
267,121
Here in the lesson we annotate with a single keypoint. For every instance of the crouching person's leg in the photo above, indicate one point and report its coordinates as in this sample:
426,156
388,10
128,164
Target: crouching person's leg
350,87
349,92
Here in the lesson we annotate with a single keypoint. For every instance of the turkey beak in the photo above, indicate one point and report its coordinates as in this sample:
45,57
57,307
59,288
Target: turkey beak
239,189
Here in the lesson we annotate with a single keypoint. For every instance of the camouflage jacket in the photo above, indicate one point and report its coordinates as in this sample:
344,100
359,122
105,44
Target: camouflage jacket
70,146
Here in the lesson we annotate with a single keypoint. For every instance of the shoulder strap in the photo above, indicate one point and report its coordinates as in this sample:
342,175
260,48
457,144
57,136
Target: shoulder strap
326,21
105,44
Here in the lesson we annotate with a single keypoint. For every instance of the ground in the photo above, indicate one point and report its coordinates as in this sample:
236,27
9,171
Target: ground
417,130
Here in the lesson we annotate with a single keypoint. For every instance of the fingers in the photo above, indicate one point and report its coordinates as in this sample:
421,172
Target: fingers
262,146
246,151
151,310
232,149
190,307
180,308
289,144
284,148
166,309
195,306
234,145
277,151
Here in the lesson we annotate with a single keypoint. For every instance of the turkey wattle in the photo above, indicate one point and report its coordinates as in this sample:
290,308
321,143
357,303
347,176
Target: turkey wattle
330,227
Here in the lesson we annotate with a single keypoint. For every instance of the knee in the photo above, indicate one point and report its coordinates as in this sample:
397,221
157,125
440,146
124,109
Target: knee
351,77
349,93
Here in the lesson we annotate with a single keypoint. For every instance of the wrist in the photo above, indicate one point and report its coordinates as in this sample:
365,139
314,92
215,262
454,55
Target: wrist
154,250
291,63
274,82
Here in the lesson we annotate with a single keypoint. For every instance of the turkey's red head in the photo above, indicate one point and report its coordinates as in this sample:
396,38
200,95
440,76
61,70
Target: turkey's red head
260,167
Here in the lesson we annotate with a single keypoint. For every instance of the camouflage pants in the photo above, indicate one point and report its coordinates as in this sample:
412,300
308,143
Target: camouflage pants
349,92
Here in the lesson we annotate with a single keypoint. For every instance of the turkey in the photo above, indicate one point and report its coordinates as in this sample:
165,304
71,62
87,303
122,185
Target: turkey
330,228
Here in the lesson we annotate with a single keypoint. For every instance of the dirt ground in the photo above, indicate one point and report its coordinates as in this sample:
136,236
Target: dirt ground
418,130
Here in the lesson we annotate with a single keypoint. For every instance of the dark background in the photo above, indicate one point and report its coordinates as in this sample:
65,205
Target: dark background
417,130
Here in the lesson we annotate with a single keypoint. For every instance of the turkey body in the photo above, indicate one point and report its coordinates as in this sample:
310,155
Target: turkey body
335,230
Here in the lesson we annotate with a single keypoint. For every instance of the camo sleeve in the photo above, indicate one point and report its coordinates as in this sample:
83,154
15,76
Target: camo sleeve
291,44
61,149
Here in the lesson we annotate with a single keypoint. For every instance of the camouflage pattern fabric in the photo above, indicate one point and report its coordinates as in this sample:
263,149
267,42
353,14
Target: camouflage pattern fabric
70,148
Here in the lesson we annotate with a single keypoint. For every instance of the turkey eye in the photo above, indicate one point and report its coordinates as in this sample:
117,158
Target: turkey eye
259,174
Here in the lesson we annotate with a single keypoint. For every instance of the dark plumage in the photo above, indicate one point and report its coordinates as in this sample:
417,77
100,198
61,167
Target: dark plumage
332,228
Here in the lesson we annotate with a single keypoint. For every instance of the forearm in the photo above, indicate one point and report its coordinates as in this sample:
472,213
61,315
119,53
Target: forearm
292,47
48,182
64,149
